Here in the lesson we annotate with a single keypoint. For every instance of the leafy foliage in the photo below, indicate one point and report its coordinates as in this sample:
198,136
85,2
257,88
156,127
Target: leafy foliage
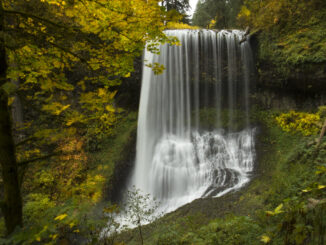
99,37
291,32
138,210
178,25
230,230
64,59
217,14
302,218
306,123
177,7
140,207
70,186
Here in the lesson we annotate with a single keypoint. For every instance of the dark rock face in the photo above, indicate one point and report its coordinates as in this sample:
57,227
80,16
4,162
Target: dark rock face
128,95
279,99
122,171
307,78
304,87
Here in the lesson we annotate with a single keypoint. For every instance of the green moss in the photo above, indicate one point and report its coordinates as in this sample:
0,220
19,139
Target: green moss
112,148
208,119
295,45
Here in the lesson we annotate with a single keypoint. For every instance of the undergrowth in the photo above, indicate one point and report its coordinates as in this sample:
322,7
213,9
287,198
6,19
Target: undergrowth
284,204
70,214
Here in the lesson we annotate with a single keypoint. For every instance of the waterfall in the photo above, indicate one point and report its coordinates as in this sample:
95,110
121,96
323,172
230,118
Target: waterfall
194,137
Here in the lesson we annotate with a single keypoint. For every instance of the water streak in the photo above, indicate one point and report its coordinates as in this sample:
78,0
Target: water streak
178,158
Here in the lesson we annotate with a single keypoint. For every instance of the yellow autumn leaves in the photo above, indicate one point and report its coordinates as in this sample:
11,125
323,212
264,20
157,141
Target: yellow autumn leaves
99,38
305,123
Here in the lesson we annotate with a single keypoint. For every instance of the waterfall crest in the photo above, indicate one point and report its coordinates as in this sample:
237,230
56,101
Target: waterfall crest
189,142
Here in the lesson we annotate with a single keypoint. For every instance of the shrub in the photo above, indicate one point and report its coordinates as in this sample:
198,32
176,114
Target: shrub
305,123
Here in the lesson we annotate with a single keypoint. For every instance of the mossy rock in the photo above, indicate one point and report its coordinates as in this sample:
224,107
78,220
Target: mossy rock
210,119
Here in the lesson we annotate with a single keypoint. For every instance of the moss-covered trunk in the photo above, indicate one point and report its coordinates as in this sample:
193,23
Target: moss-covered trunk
11,206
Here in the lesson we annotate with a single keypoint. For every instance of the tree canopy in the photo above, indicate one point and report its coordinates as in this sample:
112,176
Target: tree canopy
223,14
62,59
291,32
177,7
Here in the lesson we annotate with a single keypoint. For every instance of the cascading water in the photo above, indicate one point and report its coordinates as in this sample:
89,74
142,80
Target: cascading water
179,158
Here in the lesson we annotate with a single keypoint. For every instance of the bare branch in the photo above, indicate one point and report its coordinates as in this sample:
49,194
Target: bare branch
44,157
55,24
25,141
26,15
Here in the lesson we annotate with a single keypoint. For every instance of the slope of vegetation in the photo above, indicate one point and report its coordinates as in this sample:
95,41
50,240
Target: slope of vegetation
289,37
284,203
291,34
217,14
62,200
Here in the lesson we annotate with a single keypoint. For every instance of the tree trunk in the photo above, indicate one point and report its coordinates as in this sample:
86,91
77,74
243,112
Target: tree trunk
11,206
140,231
141,234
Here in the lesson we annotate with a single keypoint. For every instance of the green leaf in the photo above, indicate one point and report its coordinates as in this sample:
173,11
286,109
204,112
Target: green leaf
271,213
9,88
61,217
278,209
265,239
110,108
